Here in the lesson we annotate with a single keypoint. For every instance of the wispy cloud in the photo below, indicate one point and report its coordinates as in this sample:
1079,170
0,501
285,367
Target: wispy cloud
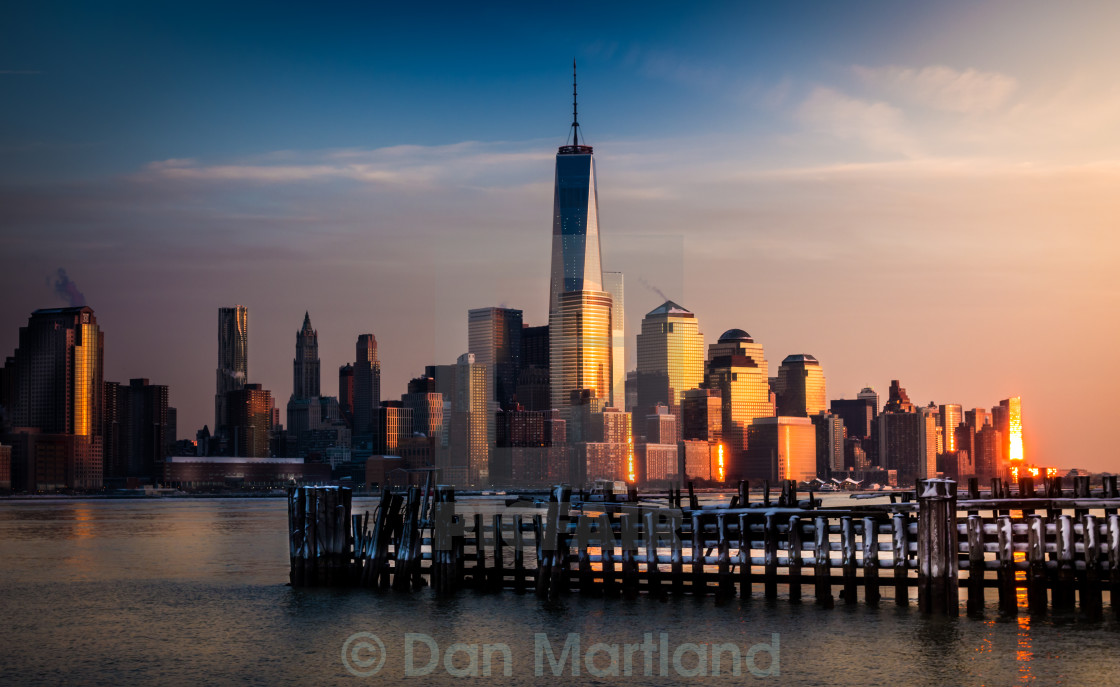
20,71
878,125
942,88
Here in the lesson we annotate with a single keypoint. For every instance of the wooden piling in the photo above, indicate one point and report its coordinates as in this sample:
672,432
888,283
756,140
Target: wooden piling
871,560
848,558
746,581
1064,585
937,547
770,557
1114,562
699,587
518,554
793,548
822,559
1090,582
901,565
1008,603
726,588
1036,559
975,565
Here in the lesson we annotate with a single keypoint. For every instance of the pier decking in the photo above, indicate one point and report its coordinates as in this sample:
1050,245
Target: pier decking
1059,547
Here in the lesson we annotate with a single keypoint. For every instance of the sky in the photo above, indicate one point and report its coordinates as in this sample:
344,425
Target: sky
916,191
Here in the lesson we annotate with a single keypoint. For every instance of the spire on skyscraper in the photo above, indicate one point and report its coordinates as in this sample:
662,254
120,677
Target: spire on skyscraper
575,107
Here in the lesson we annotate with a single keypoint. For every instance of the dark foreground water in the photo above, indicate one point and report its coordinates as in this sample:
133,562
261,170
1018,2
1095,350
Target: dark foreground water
193,592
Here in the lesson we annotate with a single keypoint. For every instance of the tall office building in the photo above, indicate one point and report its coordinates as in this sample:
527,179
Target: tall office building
612,284
908,441
346,392
304,409
305,366
670,358
702,415
494,336
857,414
233,359
367,386
581,332
950,417
1010,426
250,421
830,442
137,428
868,394
737,367
802,386
580,356
469,409
53,387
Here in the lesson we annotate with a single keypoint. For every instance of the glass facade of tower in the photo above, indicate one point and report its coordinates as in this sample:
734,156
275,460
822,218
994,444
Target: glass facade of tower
494,336
612,284
670,357
801,381
950,418
737,367
576,260
580,354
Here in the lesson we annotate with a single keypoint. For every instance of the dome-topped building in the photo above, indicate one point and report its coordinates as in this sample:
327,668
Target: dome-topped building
733,335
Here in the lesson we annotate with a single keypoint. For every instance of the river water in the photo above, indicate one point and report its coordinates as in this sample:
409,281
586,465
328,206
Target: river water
193,591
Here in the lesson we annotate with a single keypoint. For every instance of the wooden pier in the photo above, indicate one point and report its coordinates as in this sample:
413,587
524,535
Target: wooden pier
1055,549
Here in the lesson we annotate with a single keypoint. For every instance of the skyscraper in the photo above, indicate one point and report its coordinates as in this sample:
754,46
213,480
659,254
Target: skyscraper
670,358
233,359
468,437
950,418
367,386
581,333
612,284
250,421
494,336
54,389
305,366
737,367
802,385
346,391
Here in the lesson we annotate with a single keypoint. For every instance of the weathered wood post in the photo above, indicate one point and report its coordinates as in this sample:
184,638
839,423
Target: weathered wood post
445,524
1114,562
699,587
498,571
518,555
793,548
726,586
848,558
937,547
871,560
901,544
770,556
1008,604
744,493
1090,582
296,543
1036,556
822,559
1064,585
976,565
746,583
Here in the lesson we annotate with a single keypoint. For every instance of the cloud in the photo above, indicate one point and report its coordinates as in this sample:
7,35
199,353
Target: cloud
878,125
19,71
404,166
942,88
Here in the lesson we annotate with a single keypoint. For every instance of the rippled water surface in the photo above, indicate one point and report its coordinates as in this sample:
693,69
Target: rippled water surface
194,591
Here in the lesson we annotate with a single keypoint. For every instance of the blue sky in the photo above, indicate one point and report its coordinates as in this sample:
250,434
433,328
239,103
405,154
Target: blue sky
905,190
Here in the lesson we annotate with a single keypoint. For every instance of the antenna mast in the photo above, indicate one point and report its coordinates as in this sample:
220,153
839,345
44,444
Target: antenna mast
575,107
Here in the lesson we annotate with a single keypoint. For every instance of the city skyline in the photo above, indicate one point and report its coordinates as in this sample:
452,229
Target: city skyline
878,280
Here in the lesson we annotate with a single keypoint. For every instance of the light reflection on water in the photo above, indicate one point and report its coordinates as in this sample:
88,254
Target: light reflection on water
193,590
